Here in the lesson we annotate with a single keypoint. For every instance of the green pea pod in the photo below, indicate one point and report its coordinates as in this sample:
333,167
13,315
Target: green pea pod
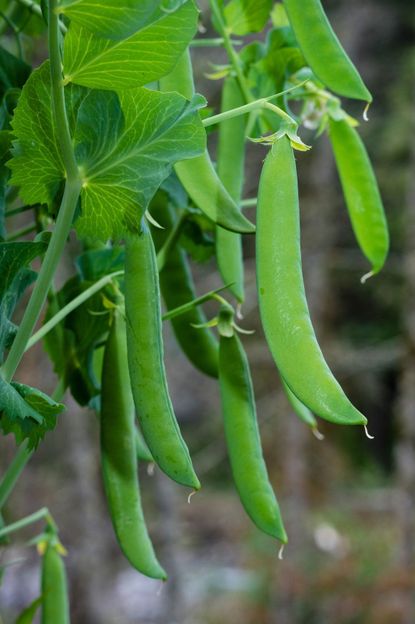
231,158
299,408
145,361
198,175
198,344
323,51
282,301
243,440
55,604
141,448
118,455
361,193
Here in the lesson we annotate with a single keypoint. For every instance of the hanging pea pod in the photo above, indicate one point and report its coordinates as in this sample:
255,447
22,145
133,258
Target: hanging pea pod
231,158
118,455
141,448
282,301
323,51
177,288
198,175
145,361
55,604
242,434
361,193
301,410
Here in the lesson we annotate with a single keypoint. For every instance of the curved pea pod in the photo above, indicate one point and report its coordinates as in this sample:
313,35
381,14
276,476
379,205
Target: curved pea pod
55,603
176,282
119,458
299,408
361,193
146,361
243,440
198,175
282,301
141,448
323,51
230,163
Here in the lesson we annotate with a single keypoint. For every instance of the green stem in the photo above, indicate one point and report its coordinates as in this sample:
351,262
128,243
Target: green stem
192,304
35,8
247,203
232,54
27,229
170,242
16,211
13,472
217,42
66,211
24,522
70,307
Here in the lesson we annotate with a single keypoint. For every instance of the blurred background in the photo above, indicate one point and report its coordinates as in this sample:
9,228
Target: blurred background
348,502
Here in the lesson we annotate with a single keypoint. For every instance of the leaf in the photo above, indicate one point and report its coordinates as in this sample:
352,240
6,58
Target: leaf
5,143
247,16
26,412
114,19
145,56
14,279
13,72
125,147
28,614
96,263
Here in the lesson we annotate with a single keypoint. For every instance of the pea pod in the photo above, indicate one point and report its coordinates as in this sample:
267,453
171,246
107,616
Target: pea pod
198,175
323,51
299,408
282,301
145,361
243,440
141,448
55,604
361,193
231,158
177,288
118,455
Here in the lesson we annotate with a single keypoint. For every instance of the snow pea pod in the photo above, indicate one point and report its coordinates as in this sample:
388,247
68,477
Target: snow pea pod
141,448
118,455
197,175
176,282
243,439
145,361
299,408
230,162
361,192
55,604
323,51
282,301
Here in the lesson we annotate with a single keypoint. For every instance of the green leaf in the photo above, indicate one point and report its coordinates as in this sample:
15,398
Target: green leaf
28,614
13,72
247,16
14,279
26,412
5,143
115,19
145,56
125,147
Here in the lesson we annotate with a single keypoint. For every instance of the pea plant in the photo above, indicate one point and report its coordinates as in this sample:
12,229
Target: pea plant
107,137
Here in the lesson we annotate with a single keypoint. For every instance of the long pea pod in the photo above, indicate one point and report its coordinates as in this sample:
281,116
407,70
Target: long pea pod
230,164
323,51
198,175
243,439
141,448
55,603
176,283
361,192
146,364
282,301
299,408
119,455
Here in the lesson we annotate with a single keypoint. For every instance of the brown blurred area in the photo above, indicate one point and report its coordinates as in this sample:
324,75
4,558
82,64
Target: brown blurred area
348,502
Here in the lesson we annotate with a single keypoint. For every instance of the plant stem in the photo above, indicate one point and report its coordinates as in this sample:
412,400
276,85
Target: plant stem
72,305
192,304
16,211
27,229
35,8
247,203
66,211
233,56
13,472
247,108
24,522
170,242
217,42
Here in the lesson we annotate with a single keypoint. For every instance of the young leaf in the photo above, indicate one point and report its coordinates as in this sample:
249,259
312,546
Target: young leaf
125,147
147,55
247,16
26,412
28,614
